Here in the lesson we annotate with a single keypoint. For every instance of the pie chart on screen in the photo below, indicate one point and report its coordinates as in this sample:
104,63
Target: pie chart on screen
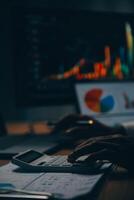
96,101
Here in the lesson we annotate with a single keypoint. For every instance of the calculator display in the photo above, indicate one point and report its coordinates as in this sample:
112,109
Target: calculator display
29,156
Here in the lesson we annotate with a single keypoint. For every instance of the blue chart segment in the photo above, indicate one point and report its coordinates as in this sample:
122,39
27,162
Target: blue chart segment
107,103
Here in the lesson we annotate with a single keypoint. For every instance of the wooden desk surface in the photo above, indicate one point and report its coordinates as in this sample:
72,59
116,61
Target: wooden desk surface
118,186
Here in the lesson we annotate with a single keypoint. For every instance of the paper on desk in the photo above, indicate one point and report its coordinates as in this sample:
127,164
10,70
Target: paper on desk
66,184
9,174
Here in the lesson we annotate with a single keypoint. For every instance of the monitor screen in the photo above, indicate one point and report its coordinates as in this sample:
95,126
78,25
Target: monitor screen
53,48
100,98
110,102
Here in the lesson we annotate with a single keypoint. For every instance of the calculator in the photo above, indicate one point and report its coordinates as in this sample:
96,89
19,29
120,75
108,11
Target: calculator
35,161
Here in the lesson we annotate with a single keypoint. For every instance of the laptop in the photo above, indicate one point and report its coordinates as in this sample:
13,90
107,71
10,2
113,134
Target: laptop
111,102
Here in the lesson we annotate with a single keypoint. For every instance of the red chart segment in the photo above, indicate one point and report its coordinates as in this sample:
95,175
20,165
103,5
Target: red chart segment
95,101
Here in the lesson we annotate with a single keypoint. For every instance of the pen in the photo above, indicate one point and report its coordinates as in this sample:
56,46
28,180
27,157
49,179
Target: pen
8,191
22,196
80,122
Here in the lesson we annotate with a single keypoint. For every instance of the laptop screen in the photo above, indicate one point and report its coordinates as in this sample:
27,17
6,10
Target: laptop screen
105,99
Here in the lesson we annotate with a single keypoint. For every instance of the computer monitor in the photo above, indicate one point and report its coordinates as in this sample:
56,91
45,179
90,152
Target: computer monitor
54,48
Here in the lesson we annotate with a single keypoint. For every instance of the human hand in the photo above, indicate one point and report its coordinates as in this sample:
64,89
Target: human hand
70,121
82,126
117,149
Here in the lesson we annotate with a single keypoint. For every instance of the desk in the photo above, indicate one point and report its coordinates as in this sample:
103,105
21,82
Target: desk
118,186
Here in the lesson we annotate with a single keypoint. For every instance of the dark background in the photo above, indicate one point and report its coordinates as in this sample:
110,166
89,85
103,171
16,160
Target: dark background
7,80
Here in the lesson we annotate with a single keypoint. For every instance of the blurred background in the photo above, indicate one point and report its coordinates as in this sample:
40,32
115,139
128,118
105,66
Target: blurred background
16,101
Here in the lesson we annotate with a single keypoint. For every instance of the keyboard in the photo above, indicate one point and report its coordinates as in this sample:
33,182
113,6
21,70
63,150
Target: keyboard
8,141
12,145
